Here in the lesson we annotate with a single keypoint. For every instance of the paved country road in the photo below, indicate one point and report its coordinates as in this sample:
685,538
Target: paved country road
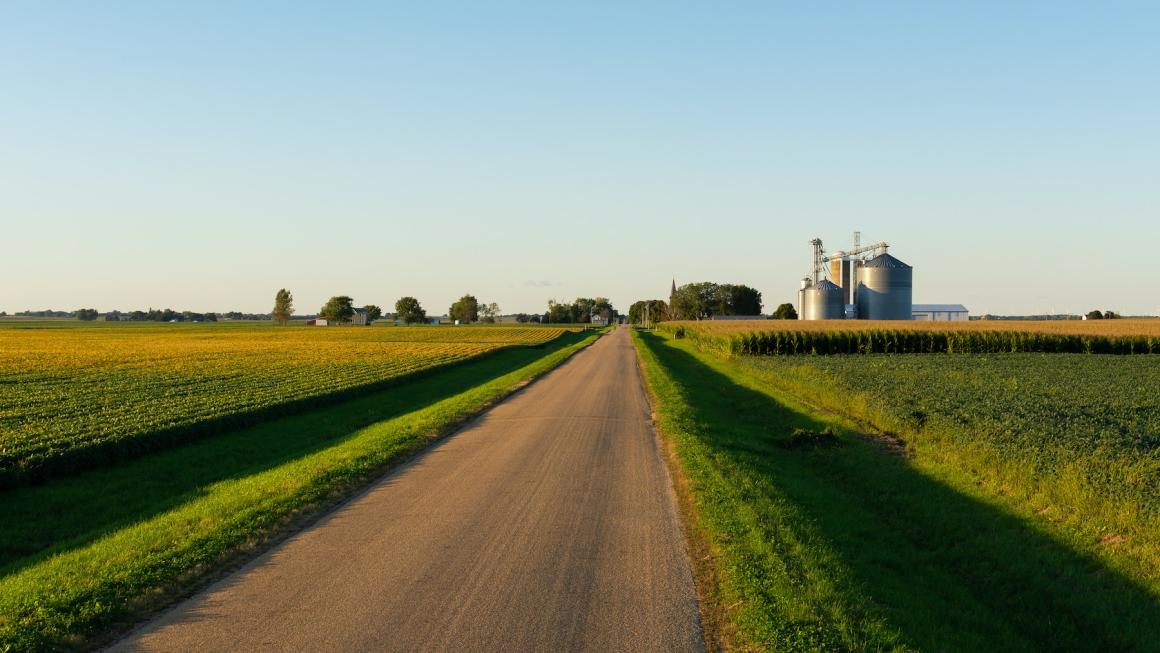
548,524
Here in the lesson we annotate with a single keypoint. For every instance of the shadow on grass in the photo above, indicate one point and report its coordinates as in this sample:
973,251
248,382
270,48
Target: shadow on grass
942,570
68,513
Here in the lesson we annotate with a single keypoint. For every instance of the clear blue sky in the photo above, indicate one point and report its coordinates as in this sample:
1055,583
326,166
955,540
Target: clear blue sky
201,155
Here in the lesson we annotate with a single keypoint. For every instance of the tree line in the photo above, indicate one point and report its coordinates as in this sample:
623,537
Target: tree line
581,310
340,309
704,300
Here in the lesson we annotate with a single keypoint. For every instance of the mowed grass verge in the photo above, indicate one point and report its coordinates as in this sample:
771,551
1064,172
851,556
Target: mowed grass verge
87,556
844,544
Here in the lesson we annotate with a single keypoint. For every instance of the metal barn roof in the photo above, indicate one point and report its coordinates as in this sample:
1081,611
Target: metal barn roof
938,308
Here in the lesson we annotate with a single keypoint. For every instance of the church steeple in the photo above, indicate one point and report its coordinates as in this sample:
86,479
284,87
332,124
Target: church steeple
673,291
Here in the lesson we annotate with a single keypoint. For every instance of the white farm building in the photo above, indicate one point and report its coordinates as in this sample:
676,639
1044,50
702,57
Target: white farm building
940,312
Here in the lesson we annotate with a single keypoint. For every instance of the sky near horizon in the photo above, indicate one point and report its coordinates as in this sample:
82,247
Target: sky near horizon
202,155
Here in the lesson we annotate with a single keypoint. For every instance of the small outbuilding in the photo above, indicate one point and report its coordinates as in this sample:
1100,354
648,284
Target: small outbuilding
321,321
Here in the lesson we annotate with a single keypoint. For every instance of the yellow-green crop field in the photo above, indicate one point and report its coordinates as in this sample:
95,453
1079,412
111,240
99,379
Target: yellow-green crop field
72,398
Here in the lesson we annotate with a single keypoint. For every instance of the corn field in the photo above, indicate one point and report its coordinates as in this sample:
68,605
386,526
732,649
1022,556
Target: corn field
774,338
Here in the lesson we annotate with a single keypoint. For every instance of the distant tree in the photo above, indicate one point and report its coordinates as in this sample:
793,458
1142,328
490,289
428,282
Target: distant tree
283,306
693,301
3,313
536,319
784,312
582,309
523,318
86,314
373,312
1109,315
560,313
489,312
338,309
410,311
740,299
1095,315
465,310
658,311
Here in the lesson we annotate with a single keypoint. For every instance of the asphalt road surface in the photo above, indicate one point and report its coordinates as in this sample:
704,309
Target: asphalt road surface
548,524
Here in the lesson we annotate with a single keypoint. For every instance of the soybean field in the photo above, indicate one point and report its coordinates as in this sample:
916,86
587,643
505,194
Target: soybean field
1092,423
79,397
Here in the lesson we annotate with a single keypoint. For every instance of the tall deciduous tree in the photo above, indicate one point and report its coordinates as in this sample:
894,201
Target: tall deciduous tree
658,311
489,312
283,306
410,311
697,301
466,310
559,313
373,312
338,309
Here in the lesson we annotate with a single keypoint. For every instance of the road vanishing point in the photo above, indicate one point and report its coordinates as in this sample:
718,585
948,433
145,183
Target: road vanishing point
547,524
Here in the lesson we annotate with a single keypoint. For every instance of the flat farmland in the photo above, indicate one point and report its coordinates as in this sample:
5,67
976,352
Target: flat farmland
75,397
919,501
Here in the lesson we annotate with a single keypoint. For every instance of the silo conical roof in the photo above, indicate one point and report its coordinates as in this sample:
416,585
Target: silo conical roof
885,261
827,286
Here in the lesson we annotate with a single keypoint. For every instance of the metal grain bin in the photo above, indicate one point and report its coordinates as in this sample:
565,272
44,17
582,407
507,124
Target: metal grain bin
823,302
885,289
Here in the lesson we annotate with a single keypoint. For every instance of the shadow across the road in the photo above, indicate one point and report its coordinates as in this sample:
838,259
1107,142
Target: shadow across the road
938,569
68,513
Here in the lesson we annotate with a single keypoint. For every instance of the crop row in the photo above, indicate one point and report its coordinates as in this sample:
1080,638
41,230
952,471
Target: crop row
72,399
1118,327
906,341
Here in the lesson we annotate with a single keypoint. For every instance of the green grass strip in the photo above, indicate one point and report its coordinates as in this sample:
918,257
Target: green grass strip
78,597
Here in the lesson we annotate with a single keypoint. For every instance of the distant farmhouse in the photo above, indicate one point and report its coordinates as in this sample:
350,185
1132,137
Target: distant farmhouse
940,312
359,317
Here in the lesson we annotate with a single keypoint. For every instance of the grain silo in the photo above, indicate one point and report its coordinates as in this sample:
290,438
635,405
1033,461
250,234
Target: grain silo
801,303
885,289
843,269
823,301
